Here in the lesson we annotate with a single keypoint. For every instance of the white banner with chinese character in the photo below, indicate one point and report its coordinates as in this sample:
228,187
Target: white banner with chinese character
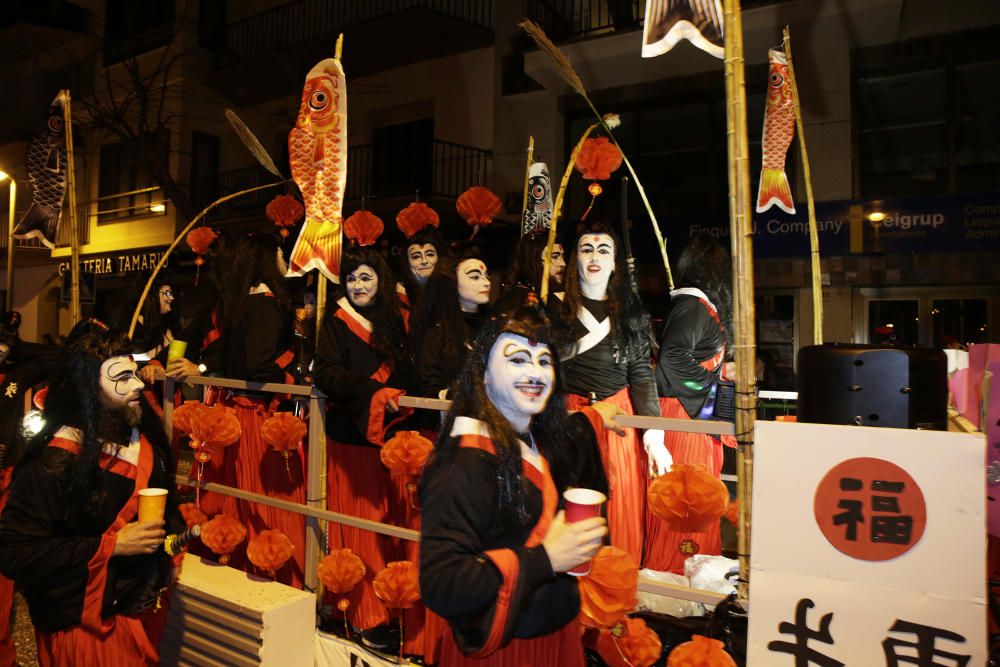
868,547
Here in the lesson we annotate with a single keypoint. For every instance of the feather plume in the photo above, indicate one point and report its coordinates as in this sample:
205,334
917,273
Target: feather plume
558,58
251,142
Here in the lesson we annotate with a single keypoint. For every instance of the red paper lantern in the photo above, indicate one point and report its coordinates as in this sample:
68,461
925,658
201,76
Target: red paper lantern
193,516
478,206
185,414
397,585
406,453
364,228
415,217
631,643
688,498
270,550
284,211
201,239
341,571
700,652
607,593
222,535
597,158
212,428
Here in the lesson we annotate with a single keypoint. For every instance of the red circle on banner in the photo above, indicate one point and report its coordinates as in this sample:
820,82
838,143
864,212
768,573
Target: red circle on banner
870,509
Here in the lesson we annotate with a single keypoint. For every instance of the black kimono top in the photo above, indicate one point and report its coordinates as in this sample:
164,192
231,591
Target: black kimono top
258,349
437,368
691,350
493,584
60,555
357,379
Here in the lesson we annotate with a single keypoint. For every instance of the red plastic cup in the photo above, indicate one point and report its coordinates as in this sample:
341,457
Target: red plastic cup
582,504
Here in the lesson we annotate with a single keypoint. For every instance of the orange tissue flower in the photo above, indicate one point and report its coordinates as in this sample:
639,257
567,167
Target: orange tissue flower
406,453
270,550
283,431
397,585
607,593
700,652
341,570
688,498
222,535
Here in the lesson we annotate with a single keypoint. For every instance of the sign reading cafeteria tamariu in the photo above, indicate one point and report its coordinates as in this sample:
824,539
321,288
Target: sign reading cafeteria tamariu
917,224
123,263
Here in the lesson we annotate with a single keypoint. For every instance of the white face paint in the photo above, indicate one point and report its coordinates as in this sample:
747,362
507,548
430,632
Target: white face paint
121,387
557,267
166,299
473,285
4,352
422,259
595,260
519,378
362,286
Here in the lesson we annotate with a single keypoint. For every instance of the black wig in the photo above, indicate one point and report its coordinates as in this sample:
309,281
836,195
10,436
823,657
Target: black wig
706,265
254,260
388,330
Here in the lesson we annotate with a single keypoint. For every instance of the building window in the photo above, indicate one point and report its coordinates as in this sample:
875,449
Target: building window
132,28
126,187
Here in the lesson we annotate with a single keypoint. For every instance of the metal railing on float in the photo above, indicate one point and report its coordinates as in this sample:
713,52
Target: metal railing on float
315,507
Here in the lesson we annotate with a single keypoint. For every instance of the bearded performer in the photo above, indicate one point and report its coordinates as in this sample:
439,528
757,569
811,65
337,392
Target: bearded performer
363,365
92,575
527,267
494,547
691,361
610,361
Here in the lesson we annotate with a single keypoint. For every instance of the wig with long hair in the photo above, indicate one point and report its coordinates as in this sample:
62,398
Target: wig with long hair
429,235
388,329
550,428
629,322
527,265
706,265
154,324
74,399
254,260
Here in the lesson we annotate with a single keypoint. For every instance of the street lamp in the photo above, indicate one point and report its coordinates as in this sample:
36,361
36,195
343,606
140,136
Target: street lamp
9,303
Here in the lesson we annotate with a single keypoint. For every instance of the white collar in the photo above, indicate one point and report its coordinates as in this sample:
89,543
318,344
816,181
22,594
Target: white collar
261,288
348,308
471,426
695,292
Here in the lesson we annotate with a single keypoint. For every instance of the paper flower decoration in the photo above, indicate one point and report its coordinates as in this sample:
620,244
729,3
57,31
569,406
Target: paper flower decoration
688,498
341,570
193,516
406,453
415,217
608,592
364,228
284,211
478,206
733,512
185,414
222,535
270,550
283,432
700,652
598,158
631,643
397,585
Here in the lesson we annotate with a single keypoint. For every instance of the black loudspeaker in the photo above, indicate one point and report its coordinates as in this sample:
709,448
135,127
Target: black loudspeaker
873,386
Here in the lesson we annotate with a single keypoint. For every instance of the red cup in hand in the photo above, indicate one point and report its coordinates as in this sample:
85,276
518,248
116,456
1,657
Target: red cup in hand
582,504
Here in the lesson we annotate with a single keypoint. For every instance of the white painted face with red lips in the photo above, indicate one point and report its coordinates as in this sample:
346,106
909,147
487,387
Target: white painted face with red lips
362,286
519,378
595,259
473,285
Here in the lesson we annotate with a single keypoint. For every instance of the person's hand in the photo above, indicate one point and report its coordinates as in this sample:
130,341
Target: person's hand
392,406
148,374
660,459
181,368
608,412
139,538
569,544
728,371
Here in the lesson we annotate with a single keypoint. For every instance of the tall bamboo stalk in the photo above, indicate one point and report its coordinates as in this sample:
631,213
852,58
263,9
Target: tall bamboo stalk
527,174
74,263
817,285
741,234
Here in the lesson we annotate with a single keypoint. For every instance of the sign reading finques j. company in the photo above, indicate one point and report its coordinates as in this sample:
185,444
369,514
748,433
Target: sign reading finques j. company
129,262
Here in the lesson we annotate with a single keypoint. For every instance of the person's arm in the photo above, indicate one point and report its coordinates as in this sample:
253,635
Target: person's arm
677,372
332,372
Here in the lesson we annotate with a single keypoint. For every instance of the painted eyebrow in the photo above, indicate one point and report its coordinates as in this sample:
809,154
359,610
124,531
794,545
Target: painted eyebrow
605,245
473,270
518,348
113,373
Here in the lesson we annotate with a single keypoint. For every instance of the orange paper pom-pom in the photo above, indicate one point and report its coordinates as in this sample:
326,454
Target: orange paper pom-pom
341,570
363,227
284,211
184,415
283,431
193,516
222,535
200,239
598,158
630,644
478,206
415,217
700,652
397,585
216,426
607,593
733,512
406,453
270,550
688,498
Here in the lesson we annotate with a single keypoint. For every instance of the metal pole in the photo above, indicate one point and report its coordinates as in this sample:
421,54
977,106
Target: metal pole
74,307
10,246
315,494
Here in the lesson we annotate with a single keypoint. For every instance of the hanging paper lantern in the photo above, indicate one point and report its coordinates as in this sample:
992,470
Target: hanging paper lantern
341,570
700,652
733,512
364,228
688,498
284,211
406,453
598,158
211,429
595,189
222,535
397,585
607,593
200,240
193,516
478,206
415,217
283,432
185,414
270,550
630,643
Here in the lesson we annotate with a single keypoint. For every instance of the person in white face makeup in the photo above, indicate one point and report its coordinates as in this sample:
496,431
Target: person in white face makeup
69,537
611,362
491,527
419,257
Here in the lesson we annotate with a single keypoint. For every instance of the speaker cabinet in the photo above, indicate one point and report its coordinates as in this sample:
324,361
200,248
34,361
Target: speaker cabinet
873,386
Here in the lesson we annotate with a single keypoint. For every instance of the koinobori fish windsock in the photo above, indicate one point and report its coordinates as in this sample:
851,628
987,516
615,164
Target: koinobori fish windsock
46,162
670,21
538,212
317,154
779,130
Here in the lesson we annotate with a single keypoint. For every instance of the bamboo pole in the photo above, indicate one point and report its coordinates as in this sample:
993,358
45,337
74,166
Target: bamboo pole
10,245
741,234
817,284
527,173
74,292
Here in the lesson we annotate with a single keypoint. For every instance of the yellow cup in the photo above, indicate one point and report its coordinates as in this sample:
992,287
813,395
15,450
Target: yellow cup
152,503
177,350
